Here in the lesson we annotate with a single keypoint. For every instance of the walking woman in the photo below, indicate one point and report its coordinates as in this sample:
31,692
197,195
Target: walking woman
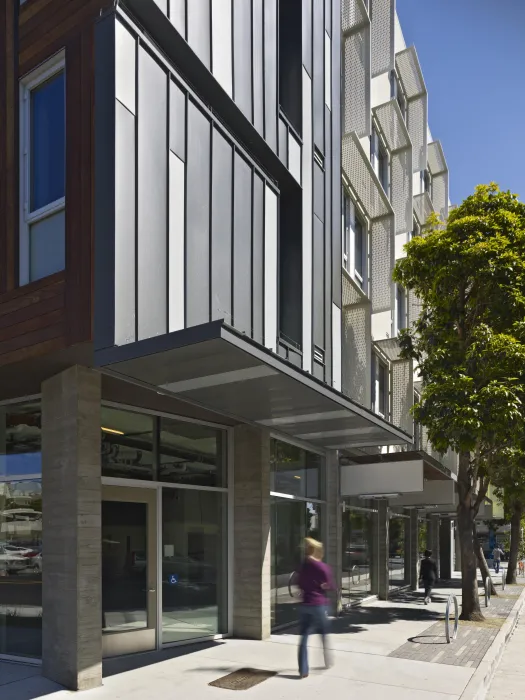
315,580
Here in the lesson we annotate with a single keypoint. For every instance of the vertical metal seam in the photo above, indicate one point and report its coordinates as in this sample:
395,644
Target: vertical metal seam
137,117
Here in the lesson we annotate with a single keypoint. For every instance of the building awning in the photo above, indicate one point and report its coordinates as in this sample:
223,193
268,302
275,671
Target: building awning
214,366
433,469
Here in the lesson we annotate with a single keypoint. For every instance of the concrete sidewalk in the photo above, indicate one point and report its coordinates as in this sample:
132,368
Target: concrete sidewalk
509,679
367,646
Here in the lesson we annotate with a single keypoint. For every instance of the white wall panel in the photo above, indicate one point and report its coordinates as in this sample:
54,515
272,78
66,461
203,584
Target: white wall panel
382,478
125,67
307,220
176,265
221,27
337,370
270,269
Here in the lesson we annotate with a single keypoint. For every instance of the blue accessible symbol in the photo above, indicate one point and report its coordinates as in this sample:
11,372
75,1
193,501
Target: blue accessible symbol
173,579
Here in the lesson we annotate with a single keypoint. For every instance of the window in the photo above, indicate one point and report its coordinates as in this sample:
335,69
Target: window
354,241
427,182
400,308
379,387
379,160
42,172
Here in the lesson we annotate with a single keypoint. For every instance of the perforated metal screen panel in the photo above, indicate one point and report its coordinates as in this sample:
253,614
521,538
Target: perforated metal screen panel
357,343
402,394
440,194
414,307
402,184
383,28
381,264
423,207
359,172
410,74
417,128
392,126
357,81
350,294
436,158
353,15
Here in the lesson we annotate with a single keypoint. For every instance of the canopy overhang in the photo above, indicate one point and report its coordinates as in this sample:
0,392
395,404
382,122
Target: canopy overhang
214,366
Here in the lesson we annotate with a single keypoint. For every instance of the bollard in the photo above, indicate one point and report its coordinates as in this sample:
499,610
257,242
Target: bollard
451,599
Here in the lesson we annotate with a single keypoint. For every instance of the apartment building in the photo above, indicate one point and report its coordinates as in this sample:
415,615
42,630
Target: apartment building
201,205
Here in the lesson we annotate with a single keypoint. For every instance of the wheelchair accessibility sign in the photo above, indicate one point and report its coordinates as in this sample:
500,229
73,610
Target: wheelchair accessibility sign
173,579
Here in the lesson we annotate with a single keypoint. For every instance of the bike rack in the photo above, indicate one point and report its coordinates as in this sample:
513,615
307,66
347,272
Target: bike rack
503,580
290,580
451,599
487,591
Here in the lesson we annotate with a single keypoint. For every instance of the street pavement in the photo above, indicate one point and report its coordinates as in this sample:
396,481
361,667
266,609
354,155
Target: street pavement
509,679
367,646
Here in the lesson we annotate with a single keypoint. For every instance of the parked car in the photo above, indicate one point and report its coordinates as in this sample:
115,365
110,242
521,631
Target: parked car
13,563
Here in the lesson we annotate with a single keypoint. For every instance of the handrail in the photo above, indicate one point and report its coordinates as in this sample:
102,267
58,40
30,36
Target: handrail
451,599
487,591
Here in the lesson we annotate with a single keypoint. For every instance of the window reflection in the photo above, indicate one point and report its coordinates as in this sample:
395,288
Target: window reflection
20,531
360,549
126,444
397,532
191,453
295,471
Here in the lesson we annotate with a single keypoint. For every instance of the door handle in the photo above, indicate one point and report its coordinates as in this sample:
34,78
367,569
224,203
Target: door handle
152,590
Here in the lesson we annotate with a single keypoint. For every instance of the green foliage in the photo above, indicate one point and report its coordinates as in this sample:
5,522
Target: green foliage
469,340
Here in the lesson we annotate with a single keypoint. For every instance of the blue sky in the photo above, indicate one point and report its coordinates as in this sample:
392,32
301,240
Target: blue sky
473,57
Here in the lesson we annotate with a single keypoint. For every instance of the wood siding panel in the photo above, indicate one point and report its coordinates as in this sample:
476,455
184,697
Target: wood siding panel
53,313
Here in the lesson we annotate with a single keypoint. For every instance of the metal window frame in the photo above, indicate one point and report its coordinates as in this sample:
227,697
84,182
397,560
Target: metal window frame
51,67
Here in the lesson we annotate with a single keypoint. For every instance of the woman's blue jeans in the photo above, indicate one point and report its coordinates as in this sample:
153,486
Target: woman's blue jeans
313,619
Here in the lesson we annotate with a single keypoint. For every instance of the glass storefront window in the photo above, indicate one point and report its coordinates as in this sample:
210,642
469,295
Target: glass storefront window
127,444
360,550
191,453
295,471
194,563
292,521
20,530
397,535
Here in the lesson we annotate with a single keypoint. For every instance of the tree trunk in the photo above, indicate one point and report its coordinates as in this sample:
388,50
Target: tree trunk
470,608
482,562
515,541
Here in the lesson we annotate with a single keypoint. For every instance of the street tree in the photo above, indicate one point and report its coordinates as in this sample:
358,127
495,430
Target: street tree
468,343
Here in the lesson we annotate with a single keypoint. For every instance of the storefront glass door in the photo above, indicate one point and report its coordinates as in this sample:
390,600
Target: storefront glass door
129,570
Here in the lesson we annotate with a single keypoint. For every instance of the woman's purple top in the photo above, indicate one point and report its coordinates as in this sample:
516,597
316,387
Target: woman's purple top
312,575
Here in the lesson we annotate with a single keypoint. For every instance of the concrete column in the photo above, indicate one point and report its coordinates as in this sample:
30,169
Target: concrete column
71,529
252,616
383,584
433,539
446,548
414,550
334,522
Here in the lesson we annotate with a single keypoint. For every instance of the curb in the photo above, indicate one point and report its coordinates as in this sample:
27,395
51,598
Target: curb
477,687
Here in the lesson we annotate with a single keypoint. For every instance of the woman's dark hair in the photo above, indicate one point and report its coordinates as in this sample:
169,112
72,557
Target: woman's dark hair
428,553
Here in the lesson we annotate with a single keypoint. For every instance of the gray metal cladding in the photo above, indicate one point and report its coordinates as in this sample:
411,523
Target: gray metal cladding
318,92
199,29
258,65
125,301
222,226
335,156
307,36
178,15
177,121
242,51
152,196
270,73
319,191
197,218
258,259
242,246
318,283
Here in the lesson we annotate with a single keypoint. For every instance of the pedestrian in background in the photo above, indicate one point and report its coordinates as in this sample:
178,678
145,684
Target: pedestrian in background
428,574
496,556
315,580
